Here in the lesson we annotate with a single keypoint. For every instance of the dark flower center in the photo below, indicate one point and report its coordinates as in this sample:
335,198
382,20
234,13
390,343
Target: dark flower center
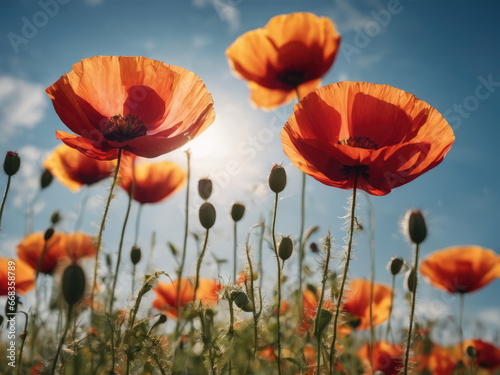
292,78
122,129
359,142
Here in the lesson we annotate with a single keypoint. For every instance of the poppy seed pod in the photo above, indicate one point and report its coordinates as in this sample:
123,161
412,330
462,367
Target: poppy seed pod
415,226
135,254
48,234
395,265
205,188
285,249
46,178
277,179
73,284
237,211
207,215
11,163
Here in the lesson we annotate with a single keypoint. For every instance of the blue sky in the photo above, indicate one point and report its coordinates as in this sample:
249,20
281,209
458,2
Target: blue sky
445,53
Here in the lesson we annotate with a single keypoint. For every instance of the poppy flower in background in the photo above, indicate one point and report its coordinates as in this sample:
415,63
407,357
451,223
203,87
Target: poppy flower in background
377,135
79,245
25,276
31,248
461,269
387,358
357,303
154,182
440,361
136,104
73,169
167,298
487,355
291,53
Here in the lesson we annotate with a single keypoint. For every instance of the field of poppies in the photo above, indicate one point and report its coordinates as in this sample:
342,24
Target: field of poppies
121,111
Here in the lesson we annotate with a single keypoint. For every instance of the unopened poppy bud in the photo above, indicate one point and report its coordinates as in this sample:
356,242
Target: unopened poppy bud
23,335
411,281
205,188
471,351
162,319
395,265
55,217
285,249
314,247
48,234
241,300
277,179
324,319
135,254
11,163
207,215
415,226
109,261
237,211
73,284
46,179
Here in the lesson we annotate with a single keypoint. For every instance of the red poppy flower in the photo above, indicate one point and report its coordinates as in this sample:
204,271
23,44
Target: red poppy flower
440,361
487,355
461,269
387,358
167,297
378,135
73,169
292,52
79,245
357,303
24,274
31,248
142,106
154,182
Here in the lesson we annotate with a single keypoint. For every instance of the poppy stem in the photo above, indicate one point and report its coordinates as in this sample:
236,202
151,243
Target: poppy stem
389,331
198,265
412,312
63,338
99,236
235,245
275,248
460,322
4,199
346,269
120,248
372,275
23,336
184,246
317,331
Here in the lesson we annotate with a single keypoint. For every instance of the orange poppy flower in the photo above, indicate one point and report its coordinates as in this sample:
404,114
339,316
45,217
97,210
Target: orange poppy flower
440,361
292,52
377,135
31,248
461,269
24,274
166,295
139,105
79,245
487,355
357,303
154,182
73,169
387,358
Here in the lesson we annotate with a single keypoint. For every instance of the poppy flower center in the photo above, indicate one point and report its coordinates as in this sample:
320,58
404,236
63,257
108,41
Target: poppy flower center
359,142
292,77
122,129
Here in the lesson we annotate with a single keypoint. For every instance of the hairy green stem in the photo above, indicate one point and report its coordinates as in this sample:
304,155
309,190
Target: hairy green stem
198,265
412,314
275,248
63,338
4,199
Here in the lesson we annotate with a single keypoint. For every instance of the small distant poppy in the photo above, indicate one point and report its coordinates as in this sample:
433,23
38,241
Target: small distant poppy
142,106
357,303
486,356
461,269
73,169
291,53
375,135
23,273
387,358
154,182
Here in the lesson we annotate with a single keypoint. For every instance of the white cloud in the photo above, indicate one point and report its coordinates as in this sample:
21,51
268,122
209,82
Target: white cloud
22,104
227,10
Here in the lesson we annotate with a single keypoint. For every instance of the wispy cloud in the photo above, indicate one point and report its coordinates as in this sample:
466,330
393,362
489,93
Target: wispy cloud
227,10
22,105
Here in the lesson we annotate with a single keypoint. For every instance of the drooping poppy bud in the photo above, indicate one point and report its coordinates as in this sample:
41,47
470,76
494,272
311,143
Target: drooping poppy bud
207,215
205,188
415,226
237,211
135,254
46,178
241,300
73,284
277,179
11,163
285,248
